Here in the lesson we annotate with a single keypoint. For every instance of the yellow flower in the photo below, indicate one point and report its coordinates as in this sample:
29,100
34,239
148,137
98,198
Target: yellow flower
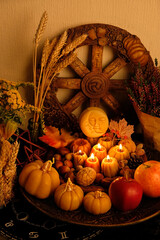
15,106
10,100
13,96
19,101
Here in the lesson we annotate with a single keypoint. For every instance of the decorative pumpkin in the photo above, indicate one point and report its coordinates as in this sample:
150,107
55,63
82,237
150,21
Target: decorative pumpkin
81,144
106,142
86,176
129,144
136,51
97,202
118,153
39,179
68,196
109,166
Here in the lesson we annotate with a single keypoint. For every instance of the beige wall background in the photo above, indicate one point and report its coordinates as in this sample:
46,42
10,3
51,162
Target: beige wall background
20,18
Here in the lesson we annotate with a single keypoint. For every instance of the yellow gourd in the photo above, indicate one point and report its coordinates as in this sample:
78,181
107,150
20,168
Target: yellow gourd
68,196
135,50
129,144
97,202
39,179
107,142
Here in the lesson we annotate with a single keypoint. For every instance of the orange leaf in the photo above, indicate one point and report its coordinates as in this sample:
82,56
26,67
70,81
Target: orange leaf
56,139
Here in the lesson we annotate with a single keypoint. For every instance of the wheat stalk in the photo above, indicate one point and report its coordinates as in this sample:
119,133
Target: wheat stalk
38,35
64,63
76,42
41,27
56,53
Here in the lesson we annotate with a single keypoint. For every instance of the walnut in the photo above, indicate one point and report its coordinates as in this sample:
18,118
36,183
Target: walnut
86,176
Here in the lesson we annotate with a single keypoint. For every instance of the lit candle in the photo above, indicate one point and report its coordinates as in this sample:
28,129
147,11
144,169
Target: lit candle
119,152
109,166
120,148
79,158
99,151
92,162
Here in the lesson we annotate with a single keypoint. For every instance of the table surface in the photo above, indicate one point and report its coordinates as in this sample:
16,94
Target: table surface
20,220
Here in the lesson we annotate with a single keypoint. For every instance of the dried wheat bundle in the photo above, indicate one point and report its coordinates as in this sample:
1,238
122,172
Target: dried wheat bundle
56,55
8,154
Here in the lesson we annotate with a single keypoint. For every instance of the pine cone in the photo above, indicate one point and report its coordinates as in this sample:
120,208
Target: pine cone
135,161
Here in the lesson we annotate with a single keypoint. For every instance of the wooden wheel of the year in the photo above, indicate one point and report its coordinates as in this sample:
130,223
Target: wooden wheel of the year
94,84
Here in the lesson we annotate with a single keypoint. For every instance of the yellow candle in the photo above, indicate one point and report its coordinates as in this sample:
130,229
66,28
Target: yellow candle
109,166
79,158
119,152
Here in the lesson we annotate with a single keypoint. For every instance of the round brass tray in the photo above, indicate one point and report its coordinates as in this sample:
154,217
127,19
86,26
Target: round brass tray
147,209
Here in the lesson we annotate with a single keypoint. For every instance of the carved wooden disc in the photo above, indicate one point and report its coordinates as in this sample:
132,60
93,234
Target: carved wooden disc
94,85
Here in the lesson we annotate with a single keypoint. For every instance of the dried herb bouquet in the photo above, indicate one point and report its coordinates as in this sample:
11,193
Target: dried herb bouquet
145,93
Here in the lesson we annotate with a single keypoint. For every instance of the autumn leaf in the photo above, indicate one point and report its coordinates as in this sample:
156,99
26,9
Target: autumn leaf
54,138
121,128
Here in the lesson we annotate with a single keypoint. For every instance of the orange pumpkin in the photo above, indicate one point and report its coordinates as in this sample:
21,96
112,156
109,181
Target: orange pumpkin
81,144
97,202
39,179
135,50
68,196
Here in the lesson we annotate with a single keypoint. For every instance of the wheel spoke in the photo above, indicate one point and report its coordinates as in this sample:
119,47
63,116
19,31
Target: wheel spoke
79,67
117,84
69,83
111,101
97,52
114,67
94,102
75,102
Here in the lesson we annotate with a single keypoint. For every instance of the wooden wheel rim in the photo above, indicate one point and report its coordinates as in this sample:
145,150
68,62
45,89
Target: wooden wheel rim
95,84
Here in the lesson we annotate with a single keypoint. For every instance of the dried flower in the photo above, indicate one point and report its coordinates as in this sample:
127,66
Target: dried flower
12,108
145,93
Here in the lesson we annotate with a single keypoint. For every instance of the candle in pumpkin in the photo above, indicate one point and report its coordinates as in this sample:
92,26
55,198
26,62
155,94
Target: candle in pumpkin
119,152
79,158
99,151
109,166
92,162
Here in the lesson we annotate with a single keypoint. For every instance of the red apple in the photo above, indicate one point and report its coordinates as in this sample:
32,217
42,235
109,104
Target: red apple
125,194
148,175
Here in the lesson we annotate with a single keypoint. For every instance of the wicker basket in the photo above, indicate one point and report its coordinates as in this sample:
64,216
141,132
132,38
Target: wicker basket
151,129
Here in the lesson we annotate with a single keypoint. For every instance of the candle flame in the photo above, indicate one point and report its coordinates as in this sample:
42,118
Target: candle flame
92,155
99,146
120,147
108,157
